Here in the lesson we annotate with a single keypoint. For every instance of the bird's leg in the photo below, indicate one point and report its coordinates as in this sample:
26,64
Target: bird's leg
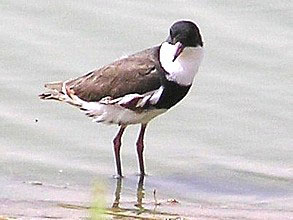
117,145
140,146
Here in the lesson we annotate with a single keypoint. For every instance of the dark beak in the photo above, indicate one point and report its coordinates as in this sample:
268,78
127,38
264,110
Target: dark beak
180,48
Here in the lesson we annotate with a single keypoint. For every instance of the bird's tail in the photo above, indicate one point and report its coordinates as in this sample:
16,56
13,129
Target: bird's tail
58,91
55,92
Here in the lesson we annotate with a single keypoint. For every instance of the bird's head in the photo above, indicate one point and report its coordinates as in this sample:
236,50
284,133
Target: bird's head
181,54
184,34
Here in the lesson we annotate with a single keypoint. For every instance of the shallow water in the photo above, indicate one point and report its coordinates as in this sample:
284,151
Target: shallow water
225,151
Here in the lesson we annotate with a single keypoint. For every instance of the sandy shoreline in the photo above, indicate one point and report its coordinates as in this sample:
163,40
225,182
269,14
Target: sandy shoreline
121,200
12,209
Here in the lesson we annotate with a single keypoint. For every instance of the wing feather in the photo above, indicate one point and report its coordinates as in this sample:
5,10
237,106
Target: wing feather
138,73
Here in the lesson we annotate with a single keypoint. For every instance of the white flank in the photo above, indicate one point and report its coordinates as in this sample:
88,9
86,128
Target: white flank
116,114
156,96
184,68
111,111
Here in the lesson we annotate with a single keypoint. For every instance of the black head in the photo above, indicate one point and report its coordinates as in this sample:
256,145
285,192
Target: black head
185,32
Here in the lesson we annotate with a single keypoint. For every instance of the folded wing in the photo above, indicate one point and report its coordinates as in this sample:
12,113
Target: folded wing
136,74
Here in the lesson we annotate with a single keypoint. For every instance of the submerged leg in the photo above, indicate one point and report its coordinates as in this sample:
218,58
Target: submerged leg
140,147
117,145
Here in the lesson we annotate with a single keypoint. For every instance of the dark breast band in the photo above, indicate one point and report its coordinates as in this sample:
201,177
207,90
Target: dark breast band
171,95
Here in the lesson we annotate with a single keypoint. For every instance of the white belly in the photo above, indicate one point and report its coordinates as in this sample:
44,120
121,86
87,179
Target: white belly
115,114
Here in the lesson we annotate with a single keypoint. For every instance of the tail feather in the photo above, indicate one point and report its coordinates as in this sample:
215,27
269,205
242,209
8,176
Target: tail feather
54,85
58,91
54,93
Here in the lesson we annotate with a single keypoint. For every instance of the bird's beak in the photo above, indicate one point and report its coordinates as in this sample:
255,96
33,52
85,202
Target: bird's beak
179,49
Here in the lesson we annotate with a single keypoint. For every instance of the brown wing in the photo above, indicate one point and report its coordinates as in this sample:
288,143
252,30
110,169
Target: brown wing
135,74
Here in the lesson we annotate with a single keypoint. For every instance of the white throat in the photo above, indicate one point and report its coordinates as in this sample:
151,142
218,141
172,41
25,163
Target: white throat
184,68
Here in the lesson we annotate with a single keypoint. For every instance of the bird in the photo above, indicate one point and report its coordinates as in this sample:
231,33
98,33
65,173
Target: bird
136,88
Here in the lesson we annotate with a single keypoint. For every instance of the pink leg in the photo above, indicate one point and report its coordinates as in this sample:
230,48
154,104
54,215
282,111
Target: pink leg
140,147
117,145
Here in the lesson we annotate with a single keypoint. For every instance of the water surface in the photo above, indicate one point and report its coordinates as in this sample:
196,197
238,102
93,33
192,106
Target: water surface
225,151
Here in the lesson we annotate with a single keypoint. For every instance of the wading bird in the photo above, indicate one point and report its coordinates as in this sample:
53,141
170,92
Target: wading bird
137,88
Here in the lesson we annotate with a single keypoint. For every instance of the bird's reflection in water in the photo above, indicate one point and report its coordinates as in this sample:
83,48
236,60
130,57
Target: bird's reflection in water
138,208
117,193
139,193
